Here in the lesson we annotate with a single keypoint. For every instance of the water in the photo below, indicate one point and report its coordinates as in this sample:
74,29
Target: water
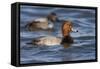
82,49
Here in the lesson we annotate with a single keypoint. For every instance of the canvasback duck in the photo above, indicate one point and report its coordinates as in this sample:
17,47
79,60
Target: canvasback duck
42,23
53,40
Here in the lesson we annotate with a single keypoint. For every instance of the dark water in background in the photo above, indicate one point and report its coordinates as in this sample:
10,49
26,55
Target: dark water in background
82,49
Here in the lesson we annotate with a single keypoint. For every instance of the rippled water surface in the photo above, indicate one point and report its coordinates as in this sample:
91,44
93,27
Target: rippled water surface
83,47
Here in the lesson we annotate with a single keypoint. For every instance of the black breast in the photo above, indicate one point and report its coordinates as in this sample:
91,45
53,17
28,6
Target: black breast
67,39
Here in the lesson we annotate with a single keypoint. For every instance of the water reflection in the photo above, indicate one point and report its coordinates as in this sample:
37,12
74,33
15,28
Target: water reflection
66,45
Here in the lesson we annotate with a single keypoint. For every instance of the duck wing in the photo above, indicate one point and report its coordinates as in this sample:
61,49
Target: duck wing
47,40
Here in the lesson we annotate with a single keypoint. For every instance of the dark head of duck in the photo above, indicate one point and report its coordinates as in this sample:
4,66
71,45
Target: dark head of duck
66,30
53,17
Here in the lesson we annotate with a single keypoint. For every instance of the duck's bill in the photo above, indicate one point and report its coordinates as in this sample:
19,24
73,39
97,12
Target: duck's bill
74,30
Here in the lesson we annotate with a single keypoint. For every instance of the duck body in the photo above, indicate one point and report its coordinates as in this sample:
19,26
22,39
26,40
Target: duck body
51,40
42,23
47,40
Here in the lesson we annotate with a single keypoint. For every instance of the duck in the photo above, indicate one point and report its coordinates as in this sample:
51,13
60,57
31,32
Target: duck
50,40
44,23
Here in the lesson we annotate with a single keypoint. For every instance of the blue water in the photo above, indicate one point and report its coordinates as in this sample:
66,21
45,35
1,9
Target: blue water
83,47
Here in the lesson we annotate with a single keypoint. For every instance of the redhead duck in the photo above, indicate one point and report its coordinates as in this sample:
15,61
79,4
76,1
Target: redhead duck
42,23
52,40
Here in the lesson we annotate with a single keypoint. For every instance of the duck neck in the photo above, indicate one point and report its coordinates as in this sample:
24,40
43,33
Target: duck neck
65,33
